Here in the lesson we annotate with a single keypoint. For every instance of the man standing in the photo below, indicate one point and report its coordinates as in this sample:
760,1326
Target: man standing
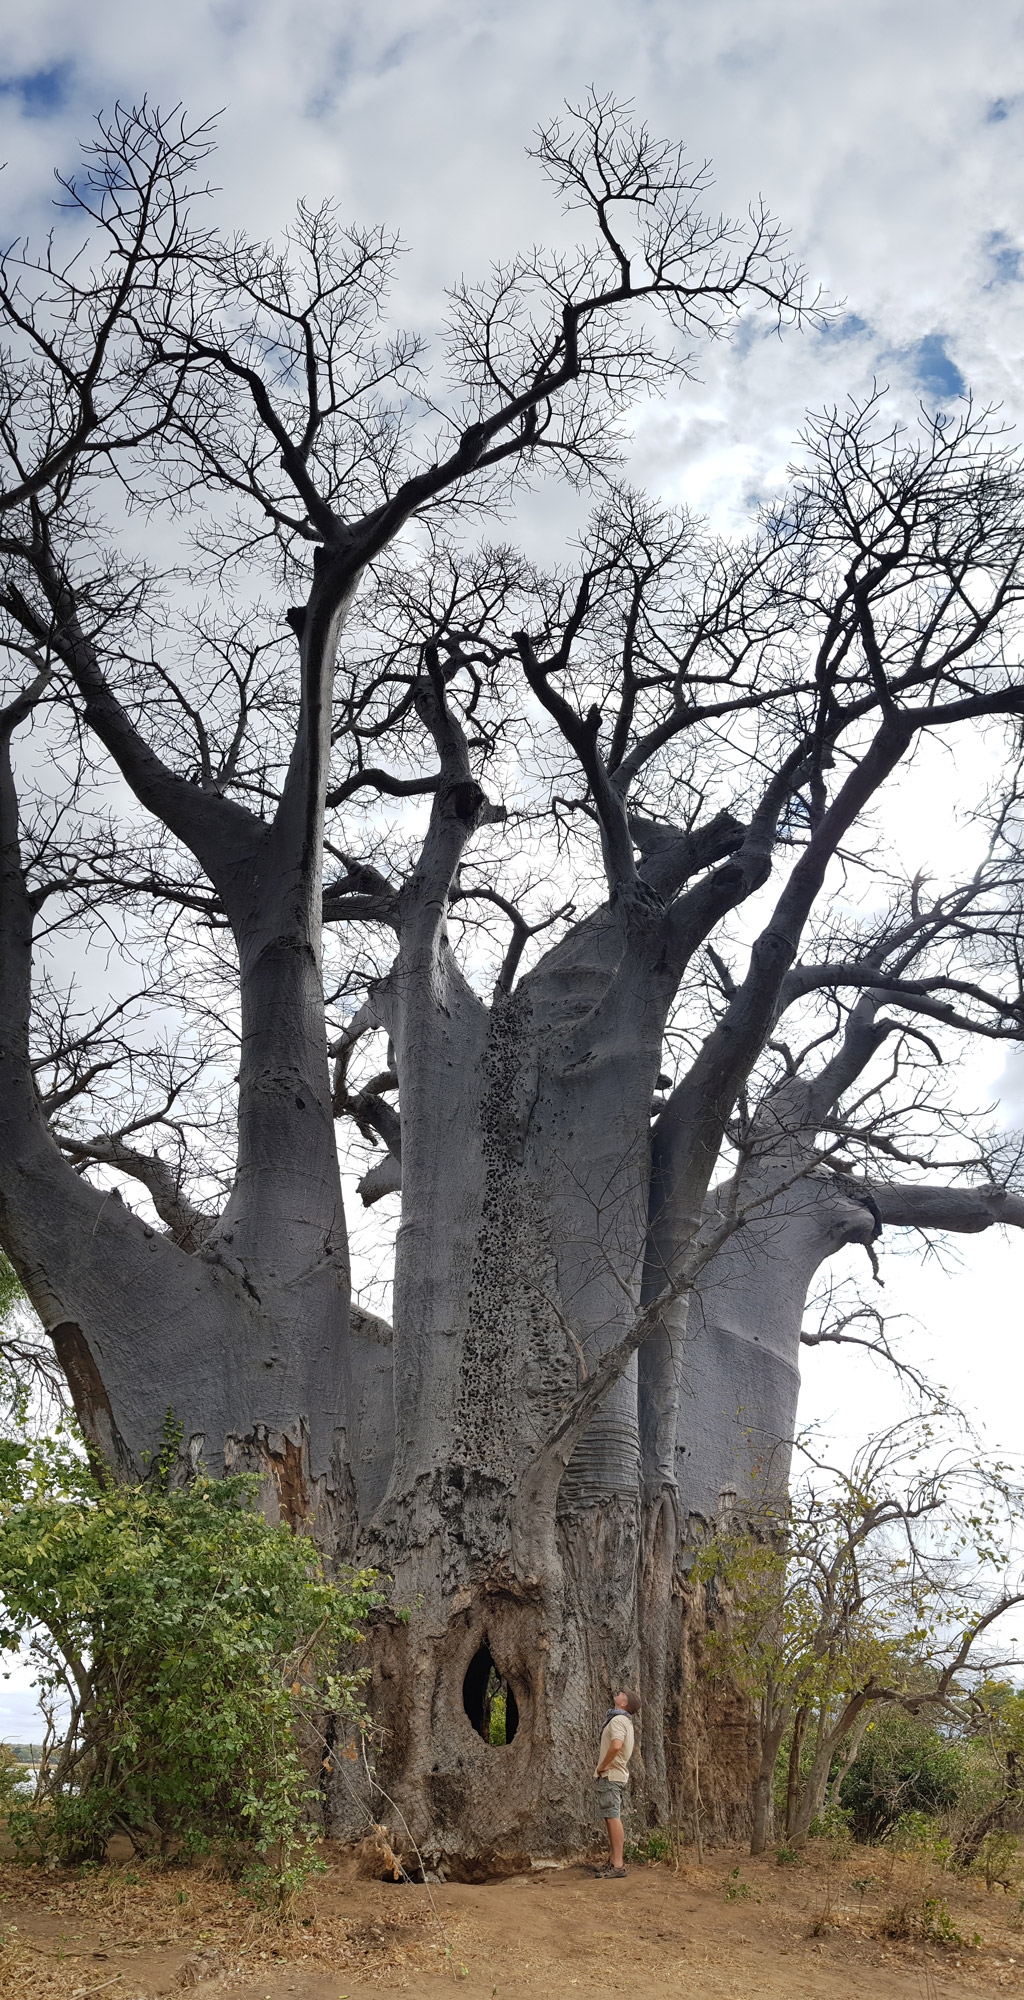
612,1774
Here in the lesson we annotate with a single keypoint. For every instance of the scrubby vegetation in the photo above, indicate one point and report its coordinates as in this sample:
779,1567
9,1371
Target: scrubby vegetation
186,1654
871,1593
951,1790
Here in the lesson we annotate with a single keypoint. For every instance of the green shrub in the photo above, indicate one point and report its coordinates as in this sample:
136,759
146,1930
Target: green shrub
740,1892
498,1721
13,1777
659,1846
192,1648
930,1921
904,1772
936,1923
998,1859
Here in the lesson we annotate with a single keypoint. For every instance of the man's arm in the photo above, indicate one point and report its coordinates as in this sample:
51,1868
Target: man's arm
618,1739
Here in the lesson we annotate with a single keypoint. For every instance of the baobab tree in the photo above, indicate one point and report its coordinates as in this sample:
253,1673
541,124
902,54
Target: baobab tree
673,728
830,1152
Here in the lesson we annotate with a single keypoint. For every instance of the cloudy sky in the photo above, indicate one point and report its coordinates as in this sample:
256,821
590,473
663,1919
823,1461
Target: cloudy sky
886,136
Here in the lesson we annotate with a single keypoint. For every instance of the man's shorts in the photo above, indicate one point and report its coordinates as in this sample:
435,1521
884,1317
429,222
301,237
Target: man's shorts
609,1799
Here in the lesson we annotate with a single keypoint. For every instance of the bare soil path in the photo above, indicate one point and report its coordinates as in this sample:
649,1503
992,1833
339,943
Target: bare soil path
861,1926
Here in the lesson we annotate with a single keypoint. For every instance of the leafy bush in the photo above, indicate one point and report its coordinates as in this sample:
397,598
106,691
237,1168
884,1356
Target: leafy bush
740,1892
186,1649
998,1858
929,1921
497,1728
904,1771
13,1776
659,1846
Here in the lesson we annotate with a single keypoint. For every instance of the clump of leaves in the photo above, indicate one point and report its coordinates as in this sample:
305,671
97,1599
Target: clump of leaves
185,1651
929,1921
906,1773
740,1892
936,1923
998,1859
659,1846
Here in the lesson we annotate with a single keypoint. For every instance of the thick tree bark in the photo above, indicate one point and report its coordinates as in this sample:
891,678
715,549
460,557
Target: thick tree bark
239,1351
724,1370
518,1265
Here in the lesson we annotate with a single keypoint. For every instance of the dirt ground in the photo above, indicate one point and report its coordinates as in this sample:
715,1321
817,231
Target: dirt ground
863,1923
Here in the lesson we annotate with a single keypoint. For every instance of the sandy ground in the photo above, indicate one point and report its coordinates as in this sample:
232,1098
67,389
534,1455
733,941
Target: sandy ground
732,1929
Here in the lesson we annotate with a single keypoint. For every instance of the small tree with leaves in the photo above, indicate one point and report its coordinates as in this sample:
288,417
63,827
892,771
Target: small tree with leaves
868,1588
186,1655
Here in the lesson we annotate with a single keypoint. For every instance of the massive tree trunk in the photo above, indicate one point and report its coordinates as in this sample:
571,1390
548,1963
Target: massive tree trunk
721,1380
518,1266
529,1520
720,1376
236,1352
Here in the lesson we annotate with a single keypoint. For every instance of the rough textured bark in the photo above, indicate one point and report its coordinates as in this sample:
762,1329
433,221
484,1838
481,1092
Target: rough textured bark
236,1348
518,1264
729,1370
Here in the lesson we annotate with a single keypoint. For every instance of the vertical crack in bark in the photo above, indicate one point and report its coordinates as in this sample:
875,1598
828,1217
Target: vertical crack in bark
92,1404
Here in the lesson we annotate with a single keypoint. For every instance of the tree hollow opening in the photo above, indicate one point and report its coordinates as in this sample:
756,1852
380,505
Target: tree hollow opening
488,1700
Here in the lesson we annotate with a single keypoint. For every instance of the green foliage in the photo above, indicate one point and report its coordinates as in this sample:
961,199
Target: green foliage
659,1847
937,1926
497,1726
740,1892
929,1921
903,1768
12,1777
195,1648
998,1859
833,1825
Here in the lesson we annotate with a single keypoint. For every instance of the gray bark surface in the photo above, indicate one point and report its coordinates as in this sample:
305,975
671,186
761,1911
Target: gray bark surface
735,1342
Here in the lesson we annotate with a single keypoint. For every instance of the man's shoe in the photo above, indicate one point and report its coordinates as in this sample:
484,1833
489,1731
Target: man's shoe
609,1874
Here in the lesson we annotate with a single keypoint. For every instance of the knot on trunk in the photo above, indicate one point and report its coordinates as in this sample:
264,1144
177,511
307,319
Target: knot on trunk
467,799
854,1190
641,905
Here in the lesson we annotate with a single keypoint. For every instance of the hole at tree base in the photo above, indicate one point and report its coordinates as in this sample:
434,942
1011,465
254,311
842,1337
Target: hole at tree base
488,1700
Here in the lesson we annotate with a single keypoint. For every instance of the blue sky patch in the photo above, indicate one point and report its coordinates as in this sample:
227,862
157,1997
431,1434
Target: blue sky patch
999,109
935,372
1005,259
41,91
849,327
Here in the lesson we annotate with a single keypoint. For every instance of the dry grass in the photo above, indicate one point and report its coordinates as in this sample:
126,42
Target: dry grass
861,1922
61,1930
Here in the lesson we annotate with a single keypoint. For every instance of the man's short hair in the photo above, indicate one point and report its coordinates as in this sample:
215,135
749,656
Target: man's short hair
632,1702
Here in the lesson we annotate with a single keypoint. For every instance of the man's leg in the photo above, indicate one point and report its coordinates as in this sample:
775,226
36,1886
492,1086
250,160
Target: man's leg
615,1840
